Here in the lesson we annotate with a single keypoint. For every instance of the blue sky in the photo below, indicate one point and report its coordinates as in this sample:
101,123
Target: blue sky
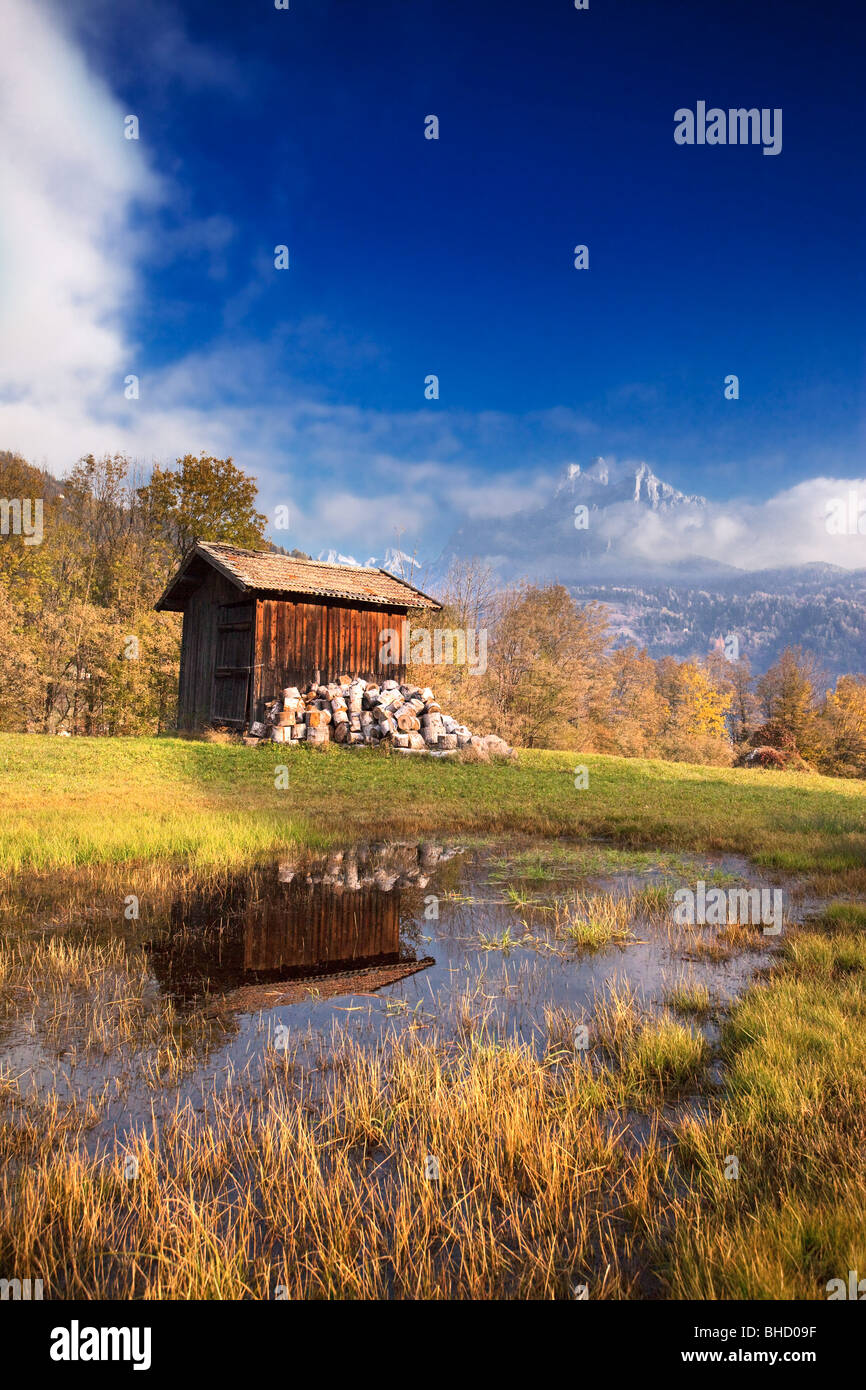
453,257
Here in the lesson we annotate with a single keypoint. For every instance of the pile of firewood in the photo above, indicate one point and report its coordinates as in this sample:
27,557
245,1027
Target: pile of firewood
357,712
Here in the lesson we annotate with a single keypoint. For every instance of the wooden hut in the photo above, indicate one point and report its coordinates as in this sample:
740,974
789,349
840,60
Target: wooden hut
255,621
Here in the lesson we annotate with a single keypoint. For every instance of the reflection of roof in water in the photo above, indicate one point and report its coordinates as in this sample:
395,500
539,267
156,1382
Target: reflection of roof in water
366,980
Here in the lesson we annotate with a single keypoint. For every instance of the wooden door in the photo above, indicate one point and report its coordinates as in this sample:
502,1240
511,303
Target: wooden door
231,681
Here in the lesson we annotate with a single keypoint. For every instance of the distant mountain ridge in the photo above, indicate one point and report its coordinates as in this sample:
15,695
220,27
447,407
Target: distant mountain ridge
602,485
767,611
604,533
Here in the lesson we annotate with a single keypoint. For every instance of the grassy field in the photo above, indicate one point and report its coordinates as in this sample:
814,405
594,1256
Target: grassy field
323,1192
70,802
544,1182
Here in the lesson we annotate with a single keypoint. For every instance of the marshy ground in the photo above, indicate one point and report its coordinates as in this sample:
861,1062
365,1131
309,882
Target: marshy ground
428,1065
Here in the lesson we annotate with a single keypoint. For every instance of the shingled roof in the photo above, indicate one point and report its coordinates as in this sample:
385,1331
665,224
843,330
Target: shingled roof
265,571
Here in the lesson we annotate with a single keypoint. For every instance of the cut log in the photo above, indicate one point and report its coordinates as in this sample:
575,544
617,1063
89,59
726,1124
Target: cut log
356,710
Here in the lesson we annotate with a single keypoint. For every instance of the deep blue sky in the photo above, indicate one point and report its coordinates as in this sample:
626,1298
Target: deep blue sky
455,257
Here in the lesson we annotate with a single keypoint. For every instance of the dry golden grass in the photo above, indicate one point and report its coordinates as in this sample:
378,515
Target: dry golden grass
98,999
316,1184
329,1196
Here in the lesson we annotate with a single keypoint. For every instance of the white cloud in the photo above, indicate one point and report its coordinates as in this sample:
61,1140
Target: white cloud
70,185
789,528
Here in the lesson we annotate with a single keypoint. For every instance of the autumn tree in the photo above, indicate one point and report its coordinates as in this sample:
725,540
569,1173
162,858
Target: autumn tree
549,652
745,707
844,721
629,712
695,729
204,499
789,695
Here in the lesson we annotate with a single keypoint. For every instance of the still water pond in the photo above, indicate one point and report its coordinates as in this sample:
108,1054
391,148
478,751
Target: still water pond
304,955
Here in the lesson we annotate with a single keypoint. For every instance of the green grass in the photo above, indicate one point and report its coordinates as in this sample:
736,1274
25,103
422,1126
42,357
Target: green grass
595,932
664,1053
840,915
690,1000
793,1113
70,802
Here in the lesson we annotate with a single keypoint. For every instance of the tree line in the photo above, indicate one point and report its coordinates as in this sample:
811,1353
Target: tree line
83,652
555,679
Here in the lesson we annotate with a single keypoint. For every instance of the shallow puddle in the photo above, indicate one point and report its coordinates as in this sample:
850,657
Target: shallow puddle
296,958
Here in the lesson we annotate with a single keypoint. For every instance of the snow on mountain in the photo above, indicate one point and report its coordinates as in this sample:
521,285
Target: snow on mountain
603,485
619,535
601,520
395,561
334,557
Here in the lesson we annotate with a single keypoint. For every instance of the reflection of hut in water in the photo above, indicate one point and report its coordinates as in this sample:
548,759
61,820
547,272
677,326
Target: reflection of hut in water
298,920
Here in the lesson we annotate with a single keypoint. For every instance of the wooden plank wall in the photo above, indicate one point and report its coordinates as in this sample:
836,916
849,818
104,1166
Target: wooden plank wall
296,639
199,648
307,929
